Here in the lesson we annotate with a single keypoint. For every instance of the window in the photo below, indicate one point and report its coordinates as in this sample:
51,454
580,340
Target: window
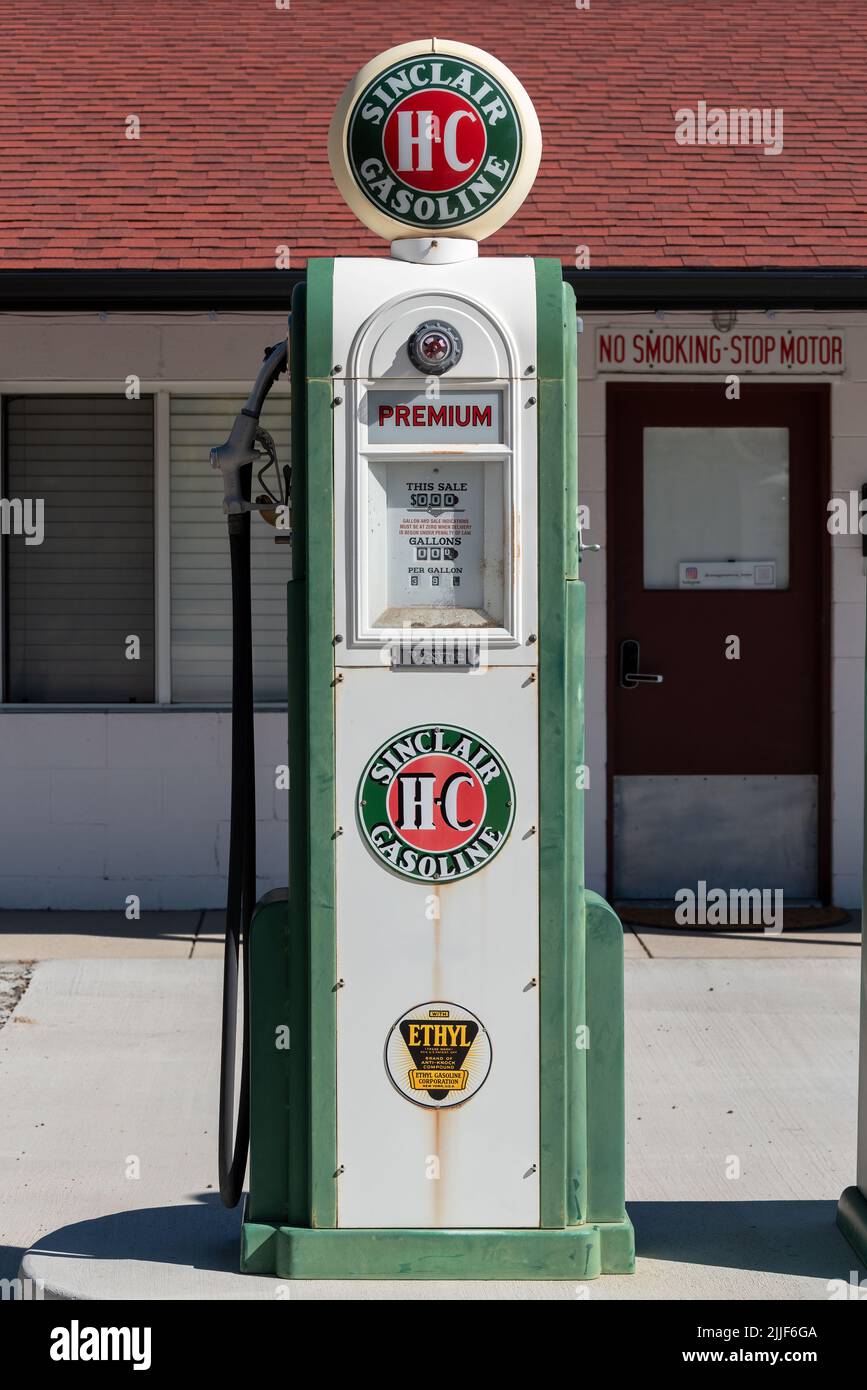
433,552
201,591
75,596
716,507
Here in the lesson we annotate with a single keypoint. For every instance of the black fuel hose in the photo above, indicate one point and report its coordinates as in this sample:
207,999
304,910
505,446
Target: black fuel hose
235,459
234,1136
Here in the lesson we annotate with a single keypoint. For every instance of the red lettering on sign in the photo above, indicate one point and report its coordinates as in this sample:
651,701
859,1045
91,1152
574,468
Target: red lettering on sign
612,348
429,416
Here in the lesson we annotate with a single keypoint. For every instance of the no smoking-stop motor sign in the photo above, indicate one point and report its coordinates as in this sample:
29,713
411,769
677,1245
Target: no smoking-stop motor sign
435,137
436,802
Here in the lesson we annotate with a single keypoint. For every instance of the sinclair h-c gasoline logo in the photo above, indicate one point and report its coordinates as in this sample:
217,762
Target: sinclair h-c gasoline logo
436,802
435,137
438,1055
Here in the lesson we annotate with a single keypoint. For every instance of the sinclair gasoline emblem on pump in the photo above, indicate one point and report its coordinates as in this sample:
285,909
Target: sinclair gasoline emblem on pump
436,141
435,137
438,1055
436,802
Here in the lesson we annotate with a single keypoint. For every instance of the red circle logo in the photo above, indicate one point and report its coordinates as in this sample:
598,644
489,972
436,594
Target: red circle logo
434,140
436,803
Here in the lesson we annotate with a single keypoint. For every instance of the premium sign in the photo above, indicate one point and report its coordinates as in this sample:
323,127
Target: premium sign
435,802
696,351
438,1055
436,137
454,417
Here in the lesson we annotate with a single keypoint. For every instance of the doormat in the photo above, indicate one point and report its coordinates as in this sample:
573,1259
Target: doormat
794,919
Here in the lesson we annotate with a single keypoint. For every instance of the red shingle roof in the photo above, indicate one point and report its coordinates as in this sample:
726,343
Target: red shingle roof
235,96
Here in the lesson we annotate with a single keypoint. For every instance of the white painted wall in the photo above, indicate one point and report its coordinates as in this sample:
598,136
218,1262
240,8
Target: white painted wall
100,804
96,804
92,803
848,470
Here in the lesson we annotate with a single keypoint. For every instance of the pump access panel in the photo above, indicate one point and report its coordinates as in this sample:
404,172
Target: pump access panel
436,717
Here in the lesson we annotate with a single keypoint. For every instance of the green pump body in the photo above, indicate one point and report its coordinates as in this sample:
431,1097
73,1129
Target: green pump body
436,1001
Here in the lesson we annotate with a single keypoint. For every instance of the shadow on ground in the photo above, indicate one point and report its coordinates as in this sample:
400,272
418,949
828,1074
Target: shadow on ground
170,925
799,1238
775,1237
203,1234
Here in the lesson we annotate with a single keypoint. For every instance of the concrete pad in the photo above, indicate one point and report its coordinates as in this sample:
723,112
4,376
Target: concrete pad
75,935
108,1164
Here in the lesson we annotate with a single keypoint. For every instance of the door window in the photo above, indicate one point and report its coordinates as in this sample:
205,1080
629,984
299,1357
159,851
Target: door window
716,508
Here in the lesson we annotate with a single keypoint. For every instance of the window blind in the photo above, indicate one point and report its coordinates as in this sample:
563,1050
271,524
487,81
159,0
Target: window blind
201,595
74,600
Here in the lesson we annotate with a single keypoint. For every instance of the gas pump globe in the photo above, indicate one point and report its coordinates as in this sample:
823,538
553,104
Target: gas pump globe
435,1059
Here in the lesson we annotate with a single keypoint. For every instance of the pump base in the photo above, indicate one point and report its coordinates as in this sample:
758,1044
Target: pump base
578,1252
852,1220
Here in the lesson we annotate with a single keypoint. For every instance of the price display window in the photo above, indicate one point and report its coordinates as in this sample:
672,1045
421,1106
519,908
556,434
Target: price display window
436,517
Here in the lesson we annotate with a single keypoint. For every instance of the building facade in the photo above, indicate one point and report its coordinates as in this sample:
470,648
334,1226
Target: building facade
717,425
711,447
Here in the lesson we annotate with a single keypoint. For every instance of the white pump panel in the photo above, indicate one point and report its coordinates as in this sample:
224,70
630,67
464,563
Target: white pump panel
439,494
435,542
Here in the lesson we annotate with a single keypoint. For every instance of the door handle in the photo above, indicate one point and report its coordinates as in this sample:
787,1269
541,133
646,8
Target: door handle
630,662
589,545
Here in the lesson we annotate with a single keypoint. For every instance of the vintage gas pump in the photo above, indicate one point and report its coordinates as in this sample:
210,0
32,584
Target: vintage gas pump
436,1004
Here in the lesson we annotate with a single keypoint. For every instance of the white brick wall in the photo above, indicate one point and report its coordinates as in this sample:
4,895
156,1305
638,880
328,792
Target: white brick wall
94,806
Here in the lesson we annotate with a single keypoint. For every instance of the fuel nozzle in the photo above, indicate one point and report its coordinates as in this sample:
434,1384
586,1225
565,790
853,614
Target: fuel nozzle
239,455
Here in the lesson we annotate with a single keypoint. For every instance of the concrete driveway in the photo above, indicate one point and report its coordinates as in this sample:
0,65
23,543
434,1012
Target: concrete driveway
741,1070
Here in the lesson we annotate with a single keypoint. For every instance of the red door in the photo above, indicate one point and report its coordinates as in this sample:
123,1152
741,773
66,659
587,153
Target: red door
718,558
